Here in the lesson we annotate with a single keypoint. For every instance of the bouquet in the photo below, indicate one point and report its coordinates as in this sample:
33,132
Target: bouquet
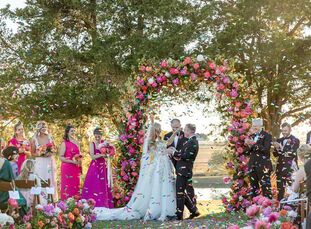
107,149
45,150
65,214
78,158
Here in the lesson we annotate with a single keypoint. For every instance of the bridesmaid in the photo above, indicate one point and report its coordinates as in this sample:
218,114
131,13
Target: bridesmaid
96,180
71,165
21,143
42,148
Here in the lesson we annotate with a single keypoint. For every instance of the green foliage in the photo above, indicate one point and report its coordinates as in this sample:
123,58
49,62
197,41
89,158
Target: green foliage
268,42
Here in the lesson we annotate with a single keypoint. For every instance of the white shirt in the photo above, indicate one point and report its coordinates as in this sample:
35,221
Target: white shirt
176,141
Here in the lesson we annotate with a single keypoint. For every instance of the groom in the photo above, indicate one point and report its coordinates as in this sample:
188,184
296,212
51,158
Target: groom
184,165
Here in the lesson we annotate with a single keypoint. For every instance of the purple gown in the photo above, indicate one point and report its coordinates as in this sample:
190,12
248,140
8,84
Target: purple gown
96,183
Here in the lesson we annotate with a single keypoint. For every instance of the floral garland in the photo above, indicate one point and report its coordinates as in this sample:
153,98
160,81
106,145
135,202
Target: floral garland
169,76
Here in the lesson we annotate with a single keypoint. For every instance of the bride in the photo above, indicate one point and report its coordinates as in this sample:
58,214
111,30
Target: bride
154,197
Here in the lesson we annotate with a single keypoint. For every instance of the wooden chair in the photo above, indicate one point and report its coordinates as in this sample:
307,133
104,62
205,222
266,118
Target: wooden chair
47,184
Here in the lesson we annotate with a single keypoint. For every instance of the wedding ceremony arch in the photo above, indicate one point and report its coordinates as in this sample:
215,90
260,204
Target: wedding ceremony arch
186,74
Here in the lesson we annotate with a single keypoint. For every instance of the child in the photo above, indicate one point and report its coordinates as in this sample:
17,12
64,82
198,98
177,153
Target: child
27,173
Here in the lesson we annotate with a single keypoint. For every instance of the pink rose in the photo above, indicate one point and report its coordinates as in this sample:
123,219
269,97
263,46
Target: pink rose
207,75
226,80
187,61
274,217
154,84
13,203
183,72
212,65
174,71
235,85
134,174
163,64
252,211
234,227
159,79
226,180
140,82
260,224
142,68
125,178
220,87
196,66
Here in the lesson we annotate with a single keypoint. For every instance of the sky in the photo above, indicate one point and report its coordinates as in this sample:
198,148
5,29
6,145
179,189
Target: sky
206,121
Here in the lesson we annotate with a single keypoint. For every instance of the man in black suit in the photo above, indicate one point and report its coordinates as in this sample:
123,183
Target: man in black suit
309,135
184,166
179,138
259,165
286,153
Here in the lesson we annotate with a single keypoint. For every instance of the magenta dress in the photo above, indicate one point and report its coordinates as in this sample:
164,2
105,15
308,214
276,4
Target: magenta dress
70,173
96,183
22,156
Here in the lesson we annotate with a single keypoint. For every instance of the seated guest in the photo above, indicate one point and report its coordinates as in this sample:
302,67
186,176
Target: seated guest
27,173
6,174
11,154
304,154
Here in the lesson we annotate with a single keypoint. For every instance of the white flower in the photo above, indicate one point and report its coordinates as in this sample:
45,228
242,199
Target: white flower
4,219
86,206
167,74
82,218
292,214
200,58
151,80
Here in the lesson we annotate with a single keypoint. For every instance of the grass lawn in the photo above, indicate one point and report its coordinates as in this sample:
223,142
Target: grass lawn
213,216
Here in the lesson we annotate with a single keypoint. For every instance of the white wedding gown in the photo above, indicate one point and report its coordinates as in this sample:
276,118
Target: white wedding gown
154,197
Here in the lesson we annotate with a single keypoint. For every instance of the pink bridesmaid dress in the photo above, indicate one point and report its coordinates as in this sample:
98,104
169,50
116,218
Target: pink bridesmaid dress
96,183
70,173
22,156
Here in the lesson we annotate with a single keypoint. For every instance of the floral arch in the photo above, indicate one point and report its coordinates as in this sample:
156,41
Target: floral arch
184,74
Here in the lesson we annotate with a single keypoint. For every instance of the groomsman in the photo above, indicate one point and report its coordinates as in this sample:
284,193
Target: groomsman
309,135
259,165
286,153
185,159
179,138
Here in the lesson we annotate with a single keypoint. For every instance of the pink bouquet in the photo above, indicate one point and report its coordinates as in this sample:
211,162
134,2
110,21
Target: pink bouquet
107,149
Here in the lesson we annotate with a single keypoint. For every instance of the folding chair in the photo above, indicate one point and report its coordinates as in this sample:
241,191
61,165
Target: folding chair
47,184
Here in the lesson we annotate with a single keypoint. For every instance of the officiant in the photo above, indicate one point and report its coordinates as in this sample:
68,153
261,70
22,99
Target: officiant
285,150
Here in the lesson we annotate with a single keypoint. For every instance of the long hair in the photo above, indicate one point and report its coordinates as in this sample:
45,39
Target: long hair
16,126
155,134
67,129
39,126
27,167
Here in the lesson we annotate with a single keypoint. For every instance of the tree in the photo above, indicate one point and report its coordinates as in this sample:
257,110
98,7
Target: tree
268,43
71,58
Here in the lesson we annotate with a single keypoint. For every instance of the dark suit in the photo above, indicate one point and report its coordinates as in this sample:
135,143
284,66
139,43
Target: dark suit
260,165
184,168
181,140
285,157
308,138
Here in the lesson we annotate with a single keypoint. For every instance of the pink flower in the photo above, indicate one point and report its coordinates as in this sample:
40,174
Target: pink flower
159,79
183,72
235,85
123,138
234,227
131,150
175,81
13,203
193,76
140,96
125,178
273,217
142,68
266,203
234,94
226,180
196,66
235,139
187,61
260,224
174,71
134,174
212,65
207,75
163,64
220,87
267,211
226,80
252,211
154,84
140,82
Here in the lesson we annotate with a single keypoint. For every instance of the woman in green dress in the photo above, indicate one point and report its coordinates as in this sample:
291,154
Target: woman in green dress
6,174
